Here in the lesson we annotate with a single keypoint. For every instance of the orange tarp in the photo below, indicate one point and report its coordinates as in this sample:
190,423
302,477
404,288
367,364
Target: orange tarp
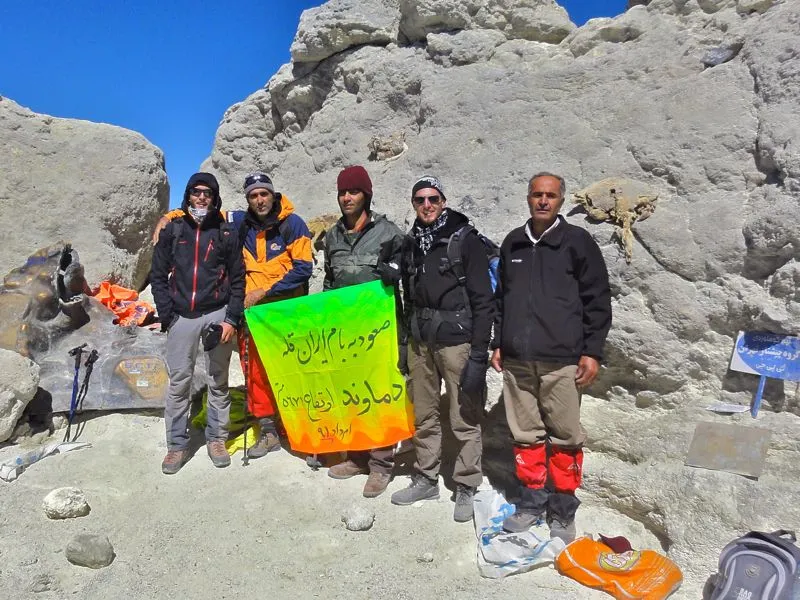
125,304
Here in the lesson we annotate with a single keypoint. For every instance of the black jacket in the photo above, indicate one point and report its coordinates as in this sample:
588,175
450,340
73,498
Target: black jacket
198,269
554,301
430,286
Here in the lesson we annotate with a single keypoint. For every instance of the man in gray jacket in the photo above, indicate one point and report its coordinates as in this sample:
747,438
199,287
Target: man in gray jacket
353,249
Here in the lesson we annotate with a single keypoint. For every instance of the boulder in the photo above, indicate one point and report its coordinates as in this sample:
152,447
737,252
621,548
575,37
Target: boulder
358,518
103,186
66,503
19,380
91,550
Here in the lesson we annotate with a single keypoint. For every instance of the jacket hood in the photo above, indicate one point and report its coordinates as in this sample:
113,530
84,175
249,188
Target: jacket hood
205,179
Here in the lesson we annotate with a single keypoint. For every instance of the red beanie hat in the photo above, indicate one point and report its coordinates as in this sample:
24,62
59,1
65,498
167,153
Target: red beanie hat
354,178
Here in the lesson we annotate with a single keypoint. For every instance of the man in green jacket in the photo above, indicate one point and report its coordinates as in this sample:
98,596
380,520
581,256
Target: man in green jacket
354,247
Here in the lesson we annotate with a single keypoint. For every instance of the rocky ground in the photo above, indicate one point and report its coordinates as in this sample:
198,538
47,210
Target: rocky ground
272,528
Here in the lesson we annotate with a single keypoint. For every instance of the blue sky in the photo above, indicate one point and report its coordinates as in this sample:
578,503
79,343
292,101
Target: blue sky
168,69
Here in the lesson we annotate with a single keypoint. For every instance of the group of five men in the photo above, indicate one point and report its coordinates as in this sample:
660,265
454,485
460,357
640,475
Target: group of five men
545,322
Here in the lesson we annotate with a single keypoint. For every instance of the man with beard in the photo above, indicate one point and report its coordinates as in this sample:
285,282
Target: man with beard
197,279
354,248
450,308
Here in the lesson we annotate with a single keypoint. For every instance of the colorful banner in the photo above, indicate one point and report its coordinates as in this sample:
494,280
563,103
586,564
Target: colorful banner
332,363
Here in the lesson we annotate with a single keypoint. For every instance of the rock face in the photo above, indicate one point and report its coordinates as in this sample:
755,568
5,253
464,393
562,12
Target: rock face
103,187
66,503
484,106
90,550
18,386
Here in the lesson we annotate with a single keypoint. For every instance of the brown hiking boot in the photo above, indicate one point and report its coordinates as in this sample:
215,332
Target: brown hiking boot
376,484
346,470
267,442
173,461
218,453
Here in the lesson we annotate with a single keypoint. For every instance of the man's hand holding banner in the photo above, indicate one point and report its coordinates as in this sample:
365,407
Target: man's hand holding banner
331,359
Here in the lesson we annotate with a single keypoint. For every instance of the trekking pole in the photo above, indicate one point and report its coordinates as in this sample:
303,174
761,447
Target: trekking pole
87,373
76,352
246,363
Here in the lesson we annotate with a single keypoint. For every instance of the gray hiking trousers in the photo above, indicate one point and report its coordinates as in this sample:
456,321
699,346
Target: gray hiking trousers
183,342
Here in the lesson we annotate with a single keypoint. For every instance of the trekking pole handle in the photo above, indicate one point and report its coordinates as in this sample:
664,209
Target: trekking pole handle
76,352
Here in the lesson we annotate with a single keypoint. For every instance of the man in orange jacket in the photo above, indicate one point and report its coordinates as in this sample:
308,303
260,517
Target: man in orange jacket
276,247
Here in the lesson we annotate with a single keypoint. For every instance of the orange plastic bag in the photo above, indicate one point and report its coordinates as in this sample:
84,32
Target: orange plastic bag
125,304
636,574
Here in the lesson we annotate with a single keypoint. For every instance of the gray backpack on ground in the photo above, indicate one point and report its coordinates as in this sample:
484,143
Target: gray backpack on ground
759,566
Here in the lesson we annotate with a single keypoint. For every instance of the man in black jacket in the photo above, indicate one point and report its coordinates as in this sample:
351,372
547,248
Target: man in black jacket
197,279
450,323
554,313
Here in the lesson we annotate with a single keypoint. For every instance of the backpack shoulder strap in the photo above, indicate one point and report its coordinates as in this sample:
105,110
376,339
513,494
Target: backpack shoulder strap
454,254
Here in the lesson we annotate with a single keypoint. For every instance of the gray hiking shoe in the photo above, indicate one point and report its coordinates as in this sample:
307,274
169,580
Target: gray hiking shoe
521,520
463,511
267,442
173,461
421,488
218,453
564,531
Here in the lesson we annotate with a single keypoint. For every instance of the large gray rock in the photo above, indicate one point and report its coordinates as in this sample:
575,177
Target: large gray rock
99,186
91,550
629,97
19,379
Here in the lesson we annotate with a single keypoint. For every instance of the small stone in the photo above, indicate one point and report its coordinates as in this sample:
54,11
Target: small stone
66,503
358,518
42,583
90,550
425,558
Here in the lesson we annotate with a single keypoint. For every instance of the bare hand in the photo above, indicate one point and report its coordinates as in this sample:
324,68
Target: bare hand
254,297
162,222
587,371
228,332
497,360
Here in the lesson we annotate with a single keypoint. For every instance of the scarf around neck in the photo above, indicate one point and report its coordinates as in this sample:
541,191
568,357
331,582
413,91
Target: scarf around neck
424,234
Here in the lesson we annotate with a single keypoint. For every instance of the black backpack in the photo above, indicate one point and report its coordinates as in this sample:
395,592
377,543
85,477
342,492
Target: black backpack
758,566
455,263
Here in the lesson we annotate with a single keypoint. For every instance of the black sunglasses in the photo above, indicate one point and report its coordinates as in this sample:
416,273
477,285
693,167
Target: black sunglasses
201,193
420,200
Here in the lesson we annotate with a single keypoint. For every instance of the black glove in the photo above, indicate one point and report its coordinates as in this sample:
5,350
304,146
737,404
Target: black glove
402,362
389,259
167,324
389,272
473,382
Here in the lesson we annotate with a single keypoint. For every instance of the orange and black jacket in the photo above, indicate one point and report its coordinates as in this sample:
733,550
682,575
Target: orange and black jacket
277,253
198,269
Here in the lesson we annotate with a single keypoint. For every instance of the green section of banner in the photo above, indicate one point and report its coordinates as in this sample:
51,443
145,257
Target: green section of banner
331,359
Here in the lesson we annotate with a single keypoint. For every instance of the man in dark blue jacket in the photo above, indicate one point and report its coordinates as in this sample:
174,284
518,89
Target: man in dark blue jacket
554,313
197,279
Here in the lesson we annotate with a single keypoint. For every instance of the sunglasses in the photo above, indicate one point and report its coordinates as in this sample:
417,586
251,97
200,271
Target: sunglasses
201,193
259,194
420,200
256,178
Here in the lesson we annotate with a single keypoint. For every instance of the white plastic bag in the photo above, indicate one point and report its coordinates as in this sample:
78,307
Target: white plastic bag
12,469
501,553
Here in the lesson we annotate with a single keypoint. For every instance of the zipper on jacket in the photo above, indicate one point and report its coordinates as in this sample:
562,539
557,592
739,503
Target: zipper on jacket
196,264
209,248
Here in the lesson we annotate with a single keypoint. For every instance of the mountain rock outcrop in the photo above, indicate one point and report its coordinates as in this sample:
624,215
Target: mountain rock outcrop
696,100
98,186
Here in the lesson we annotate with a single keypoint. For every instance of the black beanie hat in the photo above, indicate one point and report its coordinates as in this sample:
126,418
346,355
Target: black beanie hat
205,179
428,181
